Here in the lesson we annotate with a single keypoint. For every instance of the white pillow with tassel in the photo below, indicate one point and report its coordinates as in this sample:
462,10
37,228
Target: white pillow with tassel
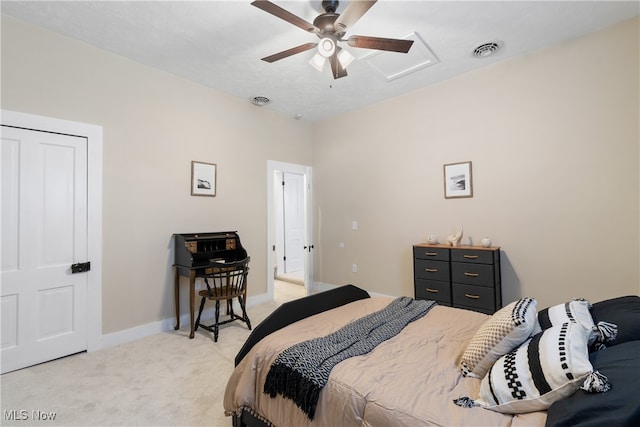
577,310
548,367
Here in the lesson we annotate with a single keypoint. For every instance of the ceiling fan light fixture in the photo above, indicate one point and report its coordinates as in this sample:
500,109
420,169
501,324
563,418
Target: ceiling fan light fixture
318,61
345,57
326,47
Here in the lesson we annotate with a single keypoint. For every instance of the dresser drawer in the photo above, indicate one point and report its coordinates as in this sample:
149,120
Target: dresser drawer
473,274
434,290
474,297
427,252
432,270
473,255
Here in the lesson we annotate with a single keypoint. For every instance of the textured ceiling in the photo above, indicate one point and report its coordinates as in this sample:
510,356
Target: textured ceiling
220,43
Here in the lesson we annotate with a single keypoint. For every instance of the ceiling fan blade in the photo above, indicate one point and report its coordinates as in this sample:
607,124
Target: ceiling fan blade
353,13
276,10
379,43
337,69
289,52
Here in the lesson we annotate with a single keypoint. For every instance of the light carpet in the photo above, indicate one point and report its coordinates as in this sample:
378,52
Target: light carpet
161,380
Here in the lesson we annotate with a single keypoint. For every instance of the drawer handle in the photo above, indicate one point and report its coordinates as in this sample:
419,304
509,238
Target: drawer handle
431,253
471,274
433,291
472,296
470,256
431,270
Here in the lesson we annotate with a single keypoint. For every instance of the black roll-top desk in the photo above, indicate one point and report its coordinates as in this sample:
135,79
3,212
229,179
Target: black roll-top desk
195,253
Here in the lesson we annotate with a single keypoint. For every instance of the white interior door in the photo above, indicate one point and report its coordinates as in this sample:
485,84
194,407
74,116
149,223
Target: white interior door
294,231
44,232
276,170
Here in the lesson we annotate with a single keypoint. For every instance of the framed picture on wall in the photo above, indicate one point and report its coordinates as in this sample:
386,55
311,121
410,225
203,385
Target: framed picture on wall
458,180
203,179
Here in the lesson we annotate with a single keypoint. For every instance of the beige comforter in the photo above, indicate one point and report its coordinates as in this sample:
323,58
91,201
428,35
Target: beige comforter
409,380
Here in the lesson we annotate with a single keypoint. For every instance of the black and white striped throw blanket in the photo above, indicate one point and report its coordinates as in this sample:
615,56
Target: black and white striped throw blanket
300,372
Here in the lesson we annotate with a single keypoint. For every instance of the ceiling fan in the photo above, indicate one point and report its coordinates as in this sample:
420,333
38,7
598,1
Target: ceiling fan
330,27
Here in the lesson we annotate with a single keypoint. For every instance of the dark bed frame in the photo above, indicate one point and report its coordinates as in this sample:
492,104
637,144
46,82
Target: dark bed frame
286,314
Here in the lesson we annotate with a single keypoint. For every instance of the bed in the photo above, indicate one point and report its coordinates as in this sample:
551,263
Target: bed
418,378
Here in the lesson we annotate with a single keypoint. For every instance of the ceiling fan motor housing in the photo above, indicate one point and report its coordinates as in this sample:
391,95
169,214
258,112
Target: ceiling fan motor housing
325,23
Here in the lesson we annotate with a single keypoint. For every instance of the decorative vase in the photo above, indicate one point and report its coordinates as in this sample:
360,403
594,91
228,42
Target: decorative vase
432,239
456,238
486,242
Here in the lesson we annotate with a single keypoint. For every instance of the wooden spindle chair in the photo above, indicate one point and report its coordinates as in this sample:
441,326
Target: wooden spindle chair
225,284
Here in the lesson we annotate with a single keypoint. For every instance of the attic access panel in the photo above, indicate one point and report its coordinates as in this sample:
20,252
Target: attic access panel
393,66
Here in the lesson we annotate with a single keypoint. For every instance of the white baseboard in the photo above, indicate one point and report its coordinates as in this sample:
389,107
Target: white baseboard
321,287
376,294
142,331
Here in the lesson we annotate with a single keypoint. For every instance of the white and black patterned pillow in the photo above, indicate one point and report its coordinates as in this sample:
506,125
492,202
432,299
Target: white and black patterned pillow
572,311
505,330
550,366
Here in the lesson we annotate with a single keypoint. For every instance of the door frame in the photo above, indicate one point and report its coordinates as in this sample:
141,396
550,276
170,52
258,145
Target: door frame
273,167
93,135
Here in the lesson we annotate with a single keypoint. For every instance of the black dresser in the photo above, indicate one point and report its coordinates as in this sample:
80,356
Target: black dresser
458,276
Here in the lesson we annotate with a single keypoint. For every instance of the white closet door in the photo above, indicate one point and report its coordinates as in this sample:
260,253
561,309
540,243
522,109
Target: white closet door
44,232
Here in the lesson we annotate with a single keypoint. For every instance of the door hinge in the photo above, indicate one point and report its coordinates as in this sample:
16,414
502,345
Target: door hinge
81,267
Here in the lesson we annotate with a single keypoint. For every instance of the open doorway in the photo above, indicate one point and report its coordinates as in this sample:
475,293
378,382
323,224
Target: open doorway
289,248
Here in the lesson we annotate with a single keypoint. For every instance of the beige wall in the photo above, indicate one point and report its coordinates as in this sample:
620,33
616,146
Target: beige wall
154,125
554,141
553,137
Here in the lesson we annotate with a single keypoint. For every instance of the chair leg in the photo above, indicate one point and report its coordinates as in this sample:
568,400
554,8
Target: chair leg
230,308
199,314
215,326
244,312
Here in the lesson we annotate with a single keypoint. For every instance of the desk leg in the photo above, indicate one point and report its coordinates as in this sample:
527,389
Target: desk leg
192,299
176,295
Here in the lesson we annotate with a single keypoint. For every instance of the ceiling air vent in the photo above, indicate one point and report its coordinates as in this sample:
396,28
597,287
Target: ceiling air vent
260,100
486,49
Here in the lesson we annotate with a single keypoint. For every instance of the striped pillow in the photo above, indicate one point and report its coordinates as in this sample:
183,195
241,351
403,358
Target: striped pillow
572,311
550,366
505,330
